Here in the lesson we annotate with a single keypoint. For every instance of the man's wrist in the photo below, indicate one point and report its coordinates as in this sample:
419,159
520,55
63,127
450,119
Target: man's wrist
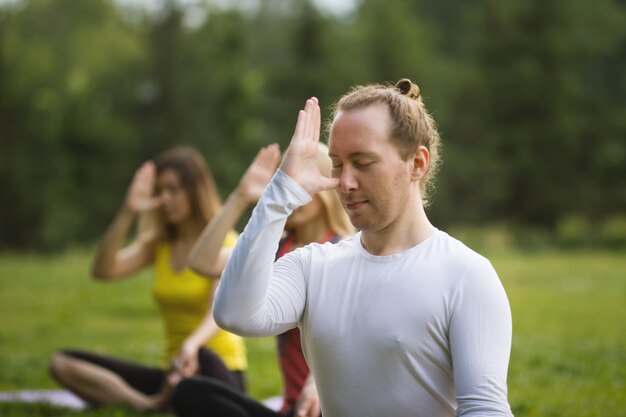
292,186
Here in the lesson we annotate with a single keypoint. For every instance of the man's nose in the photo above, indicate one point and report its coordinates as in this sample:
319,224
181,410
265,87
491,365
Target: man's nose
347,180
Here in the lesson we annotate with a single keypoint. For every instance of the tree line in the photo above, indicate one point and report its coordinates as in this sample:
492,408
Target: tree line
529,96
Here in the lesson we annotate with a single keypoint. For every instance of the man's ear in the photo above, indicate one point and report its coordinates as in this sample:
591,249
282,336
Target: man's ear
421,160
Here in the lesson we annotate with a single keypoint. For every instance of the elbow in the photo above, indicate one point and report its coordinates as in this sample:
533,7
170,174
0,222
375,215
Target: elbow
231,323
238,325
224,320
193,263
101,274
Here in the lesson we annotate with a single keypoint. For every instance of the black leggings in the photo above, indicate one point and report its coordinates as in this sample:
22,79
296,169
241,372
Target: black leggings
149,380
207,397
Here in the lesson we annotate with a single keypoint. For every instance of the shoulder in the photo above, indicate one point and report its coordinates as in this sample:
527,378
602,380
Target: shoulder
453,250
458,264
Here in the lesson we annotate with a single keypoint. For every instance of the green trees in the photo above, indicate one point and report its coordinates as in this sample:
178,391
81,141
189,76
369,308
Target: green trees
529,97
68,75
539,112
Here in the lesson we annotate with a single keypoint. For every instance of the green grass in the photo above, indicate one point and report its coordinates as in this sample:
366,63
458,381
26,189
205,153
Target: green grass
50,302
569,342
569,333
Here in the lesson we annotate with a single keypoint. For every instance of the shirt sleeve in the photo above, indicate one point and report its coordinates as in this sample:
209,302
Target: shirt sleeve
480,343
253,297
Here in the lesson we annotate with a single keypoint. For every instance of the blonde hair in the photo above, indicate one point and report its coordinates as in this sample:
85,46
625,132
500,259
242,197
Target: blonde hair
336,216
412,125
197,181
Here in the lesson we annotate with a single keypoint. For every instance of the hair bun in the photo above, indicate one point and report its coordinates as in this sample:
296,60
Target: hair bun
407,88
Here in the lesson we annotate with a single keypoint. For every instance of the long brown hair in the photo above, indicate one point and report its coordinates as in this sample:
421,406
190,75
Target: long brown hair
197,181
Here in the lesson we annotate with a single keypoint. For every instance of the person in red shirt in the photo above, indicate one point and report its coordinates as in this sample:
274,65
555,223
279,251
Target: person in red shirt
322,220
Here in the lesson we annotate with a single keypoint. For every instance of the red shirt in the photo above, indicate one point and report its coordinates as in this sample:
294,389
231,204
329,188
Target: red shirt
292,363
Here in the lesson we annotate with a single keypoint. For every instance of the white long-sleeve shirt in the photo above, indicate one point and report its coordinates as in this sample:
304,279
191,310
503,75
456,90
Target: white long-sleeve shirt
426,332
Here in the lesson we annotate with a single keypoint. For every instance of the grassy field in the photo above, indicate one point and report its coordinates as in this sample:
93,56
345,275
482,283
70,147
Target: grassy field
569,342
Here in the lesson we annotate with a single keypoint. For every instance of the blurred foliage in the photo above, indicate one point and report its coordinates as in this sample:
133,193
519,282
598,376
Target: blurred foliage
530,97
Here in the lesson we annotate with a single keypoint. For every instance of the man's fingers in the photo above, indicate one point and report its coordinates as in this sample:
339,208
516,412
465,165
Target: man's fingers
328,183
300,161
309,108
307,125
300,125
313,119
317,121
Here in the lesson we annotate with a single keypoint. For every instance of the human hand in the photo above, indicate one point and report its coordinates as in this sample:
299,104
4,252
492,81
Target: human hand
184,365
300,161
308,403
259,174
140,196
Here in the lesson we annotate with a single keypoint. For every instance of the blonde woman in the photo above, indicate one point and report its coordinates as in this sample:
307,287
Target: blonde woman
175,197
322,220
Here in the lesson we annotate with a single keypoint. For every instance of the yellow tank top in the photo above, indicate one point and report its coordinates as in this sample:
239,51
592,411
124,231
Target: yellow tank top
183,299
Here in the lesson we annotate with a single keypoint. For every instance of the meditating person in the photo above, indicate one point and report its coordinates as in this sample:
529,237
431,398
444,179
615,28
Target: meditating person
321,220
174,198
399,320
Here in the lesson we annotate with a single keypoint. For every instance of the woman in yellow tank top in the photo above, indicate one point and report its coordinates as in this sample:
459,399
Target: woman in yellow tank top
174,198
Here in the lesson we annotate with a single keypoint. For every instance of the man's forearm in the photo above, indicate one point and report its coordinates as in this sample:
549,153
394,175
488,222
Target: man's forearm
241,300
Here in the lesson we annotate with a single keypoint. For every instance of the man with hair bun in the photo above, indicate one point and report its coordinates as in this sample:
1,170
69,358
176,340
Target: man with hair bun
399,320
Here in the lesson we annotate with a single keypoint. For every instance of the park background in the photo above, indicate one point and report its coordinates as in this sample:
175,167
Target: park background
529,96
